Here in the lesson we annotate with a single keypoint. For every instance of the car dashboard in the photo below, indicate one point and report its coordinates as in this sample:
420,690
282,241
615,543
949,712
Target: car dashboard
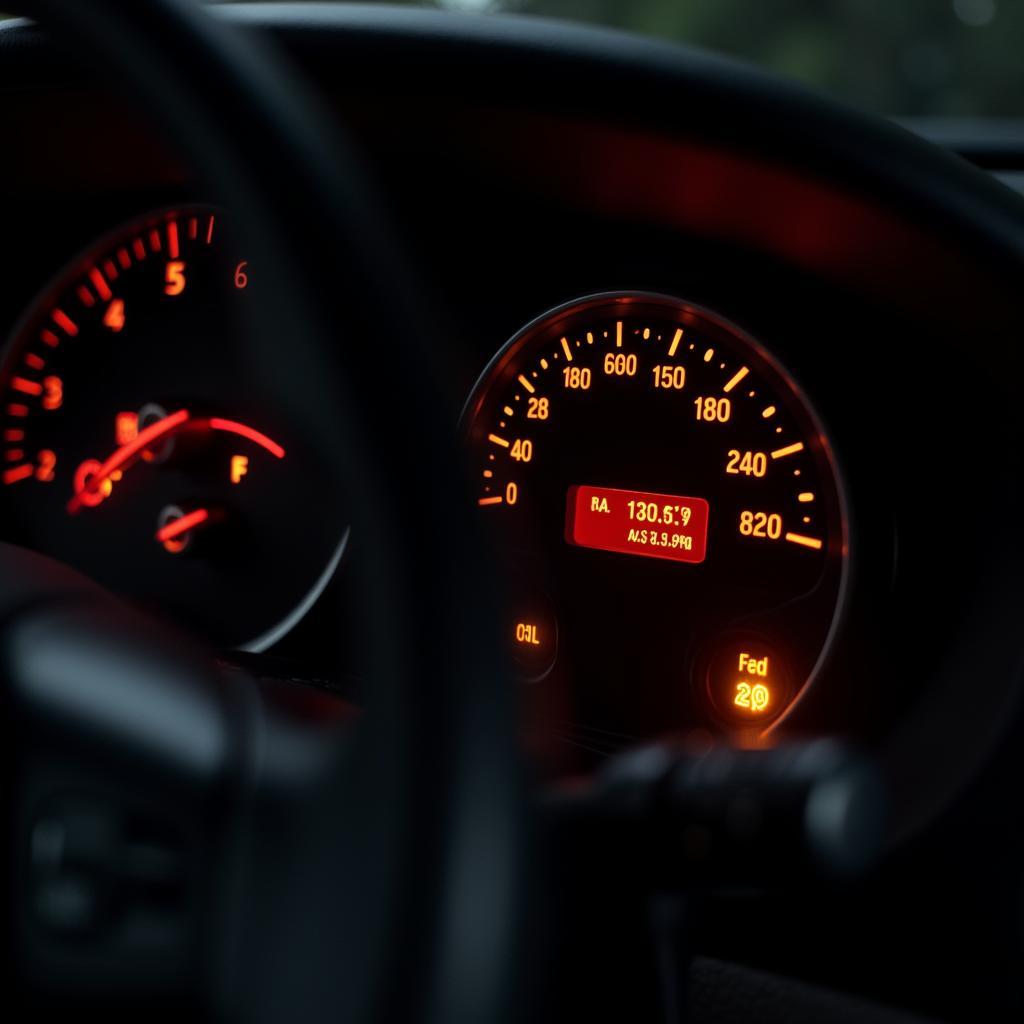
742,429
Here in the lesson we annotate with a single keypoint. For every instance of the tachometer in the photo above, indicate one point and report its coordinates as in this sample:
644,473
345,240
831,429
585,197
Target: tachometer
672,514
134,449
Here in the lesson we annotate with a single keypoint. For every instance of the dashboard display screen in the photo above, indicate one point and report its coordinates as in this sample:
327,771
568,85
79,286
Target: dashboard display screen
638,523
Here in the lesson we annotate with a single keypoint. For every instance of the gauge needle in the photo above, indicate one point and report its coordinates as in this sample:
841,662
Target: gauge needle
234,427
164,428
145,437
176,527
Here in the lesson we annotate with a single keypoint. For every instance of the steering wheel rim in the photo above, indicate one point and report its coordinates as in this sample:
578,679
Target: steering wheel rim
438,862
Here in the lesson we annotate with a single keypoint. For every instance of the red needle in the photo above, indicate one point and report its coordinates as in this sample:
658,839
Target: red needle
154,432
176,527
234,427
122,455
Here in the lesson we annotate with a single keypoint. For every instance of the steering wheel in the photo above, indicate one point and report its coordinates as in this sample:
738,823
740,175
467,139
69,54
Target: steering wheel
388,888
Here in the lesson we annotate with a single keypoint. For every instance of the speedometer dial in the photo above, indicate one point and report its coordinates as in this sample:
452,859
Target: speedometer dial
672,515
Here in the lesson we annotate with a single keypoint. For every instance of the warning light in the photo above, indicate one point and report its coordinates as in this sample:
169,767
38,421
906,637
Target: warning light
752,696
126,427
746,680
532,635
239,467
527,633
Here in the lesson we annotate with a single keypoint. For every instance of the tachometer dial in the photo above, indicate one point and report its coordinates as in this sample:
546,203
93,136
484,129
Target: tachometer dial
672,514
134,450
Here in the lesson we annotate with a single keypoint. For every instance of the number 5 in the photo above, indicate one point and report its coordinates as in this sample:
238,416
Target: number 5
174,279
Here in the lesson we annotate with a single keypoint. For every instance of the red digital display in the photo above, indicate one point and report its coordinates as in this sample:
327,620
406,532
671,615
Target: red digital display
637,523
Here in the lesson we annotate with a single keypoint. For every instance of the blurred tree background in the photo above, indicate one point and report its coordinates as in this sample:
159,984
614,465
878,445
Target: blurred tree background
947,58
938,57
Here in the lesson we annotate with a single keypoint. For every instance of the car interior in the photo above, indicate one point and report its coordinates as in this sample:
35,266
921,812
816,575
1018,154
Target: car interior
511,518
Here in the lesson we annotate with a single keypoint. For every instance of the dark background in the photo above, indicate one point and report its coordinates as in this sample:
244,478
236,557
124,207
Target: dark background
934,58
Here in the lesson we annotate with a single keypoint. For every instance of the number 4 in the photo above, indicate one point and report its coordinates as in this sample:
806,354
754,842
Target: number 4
114,316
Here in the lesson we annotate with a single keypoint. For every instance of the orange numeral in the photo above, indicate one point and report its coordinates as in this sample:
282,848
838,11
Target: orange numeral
114,316
45,462
174,279
53,393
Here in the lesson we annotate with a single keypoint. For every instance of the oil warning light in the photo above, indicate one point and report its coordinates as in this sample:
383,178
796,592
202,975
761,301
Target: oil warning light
532,636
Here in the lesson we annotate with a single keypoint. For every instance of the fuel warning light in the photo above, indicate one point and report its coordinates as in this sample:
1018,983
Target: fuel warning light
753,692
747,681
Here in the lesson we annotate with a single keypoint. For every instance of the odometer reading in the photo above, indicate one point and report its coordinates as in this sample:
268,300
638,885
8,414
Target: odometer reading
638,523
631,424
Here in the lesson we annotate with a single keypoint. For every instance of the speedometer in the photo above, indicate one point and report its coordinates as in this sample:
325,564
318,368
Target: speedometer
672,515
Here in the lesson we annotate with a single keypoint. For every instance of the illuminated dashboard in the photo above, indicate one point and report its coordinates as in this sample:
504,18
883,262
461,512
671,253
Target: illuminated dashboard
740,418
663,495
722,497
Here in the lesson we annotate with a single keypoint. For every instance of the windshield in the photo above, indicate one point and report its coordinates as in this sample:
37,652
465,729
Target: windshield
946,58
